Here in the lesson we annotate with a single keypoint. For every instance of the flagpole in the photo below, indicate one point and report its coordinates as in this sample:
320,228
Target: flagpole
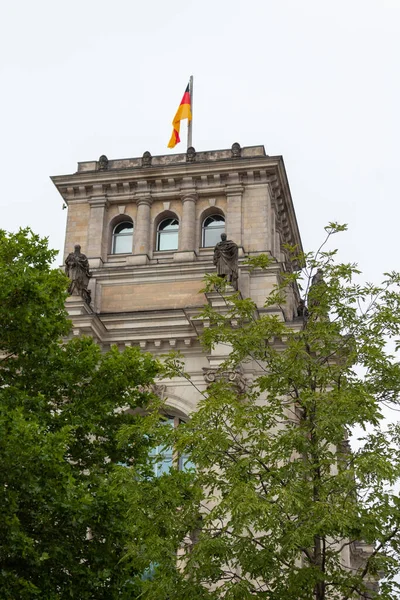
190,123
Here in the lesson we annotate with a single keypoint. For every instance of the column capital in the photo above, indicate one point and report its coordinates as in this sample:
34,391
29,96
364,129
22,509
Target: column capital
189,195
99,201
145,199
234,378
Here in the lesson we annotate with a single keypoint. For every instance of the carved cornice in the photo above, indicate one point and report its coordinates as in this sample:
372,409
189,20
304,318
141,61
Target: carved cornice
234,190
159,188
143,187
170,177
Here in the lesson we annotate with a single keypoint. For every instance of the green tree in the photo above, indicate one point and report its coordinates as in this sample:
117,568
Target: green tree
279,502
62,517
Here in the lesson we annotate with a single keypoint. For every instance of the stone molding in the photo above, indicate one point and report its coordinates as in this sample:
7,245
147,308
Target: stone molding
99,202
234,190
212,175
158,331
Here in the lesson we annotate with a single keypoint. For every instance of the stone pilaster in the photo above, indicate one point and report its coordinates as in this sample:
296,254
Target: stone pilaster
141,233
234,192
97,237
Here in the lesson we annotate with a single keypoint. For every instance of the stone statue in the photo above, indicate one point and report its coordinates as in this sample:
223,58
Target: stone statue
302,310
236,150
146,159
103,163
190,155
317,282
77,269
226,260
318,277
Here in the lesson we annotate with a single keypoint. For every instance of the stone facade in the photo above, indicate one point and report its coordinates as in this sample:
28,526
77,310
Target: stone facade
151,298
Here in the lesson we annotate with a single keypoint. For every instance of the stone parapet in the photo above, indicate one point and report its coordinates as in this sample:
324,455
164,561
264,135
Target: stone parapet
172,159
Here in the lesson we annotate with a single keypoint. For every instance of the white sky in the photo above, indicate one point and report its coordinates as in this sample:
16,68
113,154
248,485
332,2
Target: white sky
314,80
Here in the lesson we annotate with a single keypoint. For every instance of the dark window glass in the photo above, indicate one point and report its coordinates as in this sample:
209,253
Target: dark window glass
212,228
122,238
167,234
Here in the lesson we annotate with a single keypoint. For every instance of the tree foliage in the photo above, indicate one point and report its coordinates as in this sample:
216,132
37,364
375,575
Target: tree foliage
62,517
279,504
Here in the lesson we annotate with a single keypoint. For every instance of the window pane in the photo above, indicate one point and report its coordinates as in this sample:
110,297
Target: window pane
124,227
168,225
163,459
149,573
185,464
214,221
213,226
122,238
211,236
122,244
165,464
164,455
167,240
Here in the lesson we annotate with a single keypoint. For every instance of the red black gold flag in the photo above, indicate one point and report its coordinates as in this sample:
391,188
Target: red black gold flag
183,112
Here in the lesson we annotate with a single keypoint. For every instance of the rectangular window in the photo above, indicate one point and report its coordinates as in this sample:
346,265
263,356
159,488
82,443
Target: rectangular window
164,455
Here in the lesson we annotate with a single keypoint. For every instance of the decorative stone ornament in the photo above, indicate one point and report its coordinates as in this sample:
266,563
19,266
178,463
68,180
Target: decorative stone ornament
103,163
234,378
191,155
236,150
146,159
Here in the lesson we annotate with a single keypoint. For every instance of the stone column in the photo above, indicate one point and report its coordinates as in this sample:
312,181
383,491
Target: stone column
141,232
234,192
187,238
96,233
188,233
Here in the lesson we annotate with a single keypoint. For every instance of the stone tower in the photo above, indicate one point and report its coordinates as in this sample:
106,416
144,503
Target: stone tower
148,227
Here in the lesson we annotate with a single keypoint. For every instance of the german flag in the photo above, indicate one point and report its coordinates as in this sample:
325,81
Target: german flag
183,112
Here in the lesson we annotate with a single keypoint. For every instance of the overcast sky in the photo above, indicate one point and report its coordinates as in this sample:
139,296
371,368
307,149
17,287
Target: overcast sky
314,80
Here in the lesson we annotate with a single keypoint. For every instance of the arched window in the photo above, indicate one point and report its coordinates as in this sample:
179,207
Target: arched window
167,234
166,457
122,238
212,228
